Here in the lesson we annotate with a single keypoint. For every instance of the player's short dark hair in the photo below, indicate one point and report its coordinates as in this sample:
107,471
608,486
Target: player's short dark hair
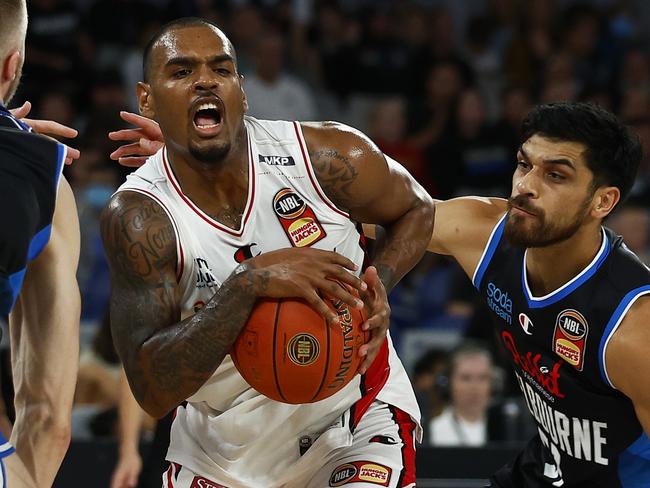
169,26
613,150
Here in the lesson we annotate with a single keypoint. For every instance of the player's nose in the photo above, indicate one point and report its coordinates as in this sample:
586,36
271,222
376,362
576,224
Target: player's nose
526,185
206,79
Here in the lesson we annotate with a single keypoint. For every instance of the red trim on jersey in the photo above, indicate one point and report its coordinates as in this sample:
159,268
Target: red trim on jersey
312,177
405,428
201,213
180,259
363,244
371,384
170,484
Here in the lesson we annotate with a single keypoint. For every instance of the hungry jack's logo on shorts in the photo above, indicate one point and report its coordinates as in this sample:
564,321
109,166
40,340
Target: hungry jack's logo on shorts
298,220
361,471
570,337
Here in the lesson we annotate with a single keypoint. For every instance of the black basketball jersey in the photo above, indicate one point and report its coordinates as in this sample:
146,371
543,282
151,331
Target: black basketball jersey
588,432
30,168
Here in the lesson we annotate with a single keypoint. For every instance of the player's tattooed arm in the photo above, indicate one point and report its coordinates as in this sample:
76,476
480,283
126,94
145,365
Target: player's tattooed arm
356,176
166,359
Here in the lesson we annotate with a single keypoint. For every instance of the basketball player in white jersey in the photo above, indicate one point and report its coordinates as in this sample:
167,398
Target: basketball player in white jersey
201,231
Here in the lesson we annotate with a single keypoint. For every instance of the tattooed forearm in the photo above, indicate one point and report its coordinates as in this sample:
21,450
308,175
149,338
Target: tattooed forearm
403,244
177,360
335,174
166,359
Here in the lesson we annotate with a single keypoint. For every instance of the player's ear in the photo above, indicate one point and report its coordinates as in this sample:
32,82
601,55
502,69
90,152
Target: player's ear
146,103
605,199
10,66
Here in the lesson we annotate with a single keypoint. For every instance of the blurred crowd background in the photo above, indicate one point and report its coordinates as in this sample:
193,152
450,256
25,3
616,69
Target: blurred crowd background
439,85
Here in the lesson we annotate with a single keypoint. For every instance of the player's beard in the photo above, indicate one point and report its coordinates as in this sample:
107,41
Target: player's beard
540,232
212,154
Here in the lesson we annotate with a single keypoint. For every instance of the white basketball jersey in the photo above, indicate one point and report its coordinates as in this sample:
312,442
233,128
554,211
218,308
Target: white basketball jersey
227,431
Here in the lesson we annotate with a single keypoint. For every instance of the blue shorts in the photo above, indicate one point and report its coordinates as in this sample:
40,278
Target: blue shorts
5,450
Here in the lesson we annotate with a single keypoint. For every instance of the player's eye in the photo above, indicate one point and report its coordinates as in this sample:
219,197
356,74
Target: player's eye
522,164
181,73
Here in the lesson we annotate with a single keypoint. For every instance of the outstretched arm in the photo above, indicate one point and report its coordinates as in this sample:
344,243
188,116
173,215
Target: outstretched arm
167,359
44,329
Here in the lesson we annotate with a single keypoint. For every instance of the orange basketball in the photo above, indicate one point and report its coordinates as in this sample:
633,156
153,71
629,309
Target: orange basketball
288,353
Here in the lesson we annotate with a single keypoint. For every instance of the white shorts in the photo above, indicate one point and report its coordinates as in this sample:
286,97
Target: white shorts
382,454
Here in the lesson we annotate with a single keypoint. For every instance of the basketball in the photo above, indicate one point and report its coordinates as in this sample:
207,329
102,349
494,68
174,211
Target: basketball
287,351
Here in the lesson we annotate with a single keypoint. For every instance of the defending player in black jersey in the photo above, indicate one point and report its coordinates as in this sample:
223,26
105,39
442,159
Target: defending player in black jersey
39,251
571,303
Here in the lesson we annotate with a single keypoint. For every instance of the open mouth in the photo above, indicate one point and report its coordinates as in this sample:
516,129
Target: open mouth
207,118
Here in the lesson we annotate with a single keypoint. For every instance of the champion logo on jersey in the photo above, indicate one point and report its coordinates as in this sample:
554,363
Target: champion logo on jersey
570,337
277,160
526,323
246,252
297,219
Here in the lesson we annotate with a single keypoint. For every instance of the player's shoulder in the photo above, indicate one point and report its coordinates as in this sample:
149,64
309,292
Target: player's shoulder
132,213
336,136
35,149
135,229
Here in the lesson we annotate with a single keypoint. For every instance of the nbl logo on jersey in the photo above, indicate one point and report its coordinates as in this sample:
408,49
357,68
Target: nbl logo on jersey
570,337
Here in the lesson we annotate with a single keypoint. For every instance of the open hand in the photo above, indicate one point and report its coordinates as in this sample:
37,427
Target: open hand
147,140
49,128
376,302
